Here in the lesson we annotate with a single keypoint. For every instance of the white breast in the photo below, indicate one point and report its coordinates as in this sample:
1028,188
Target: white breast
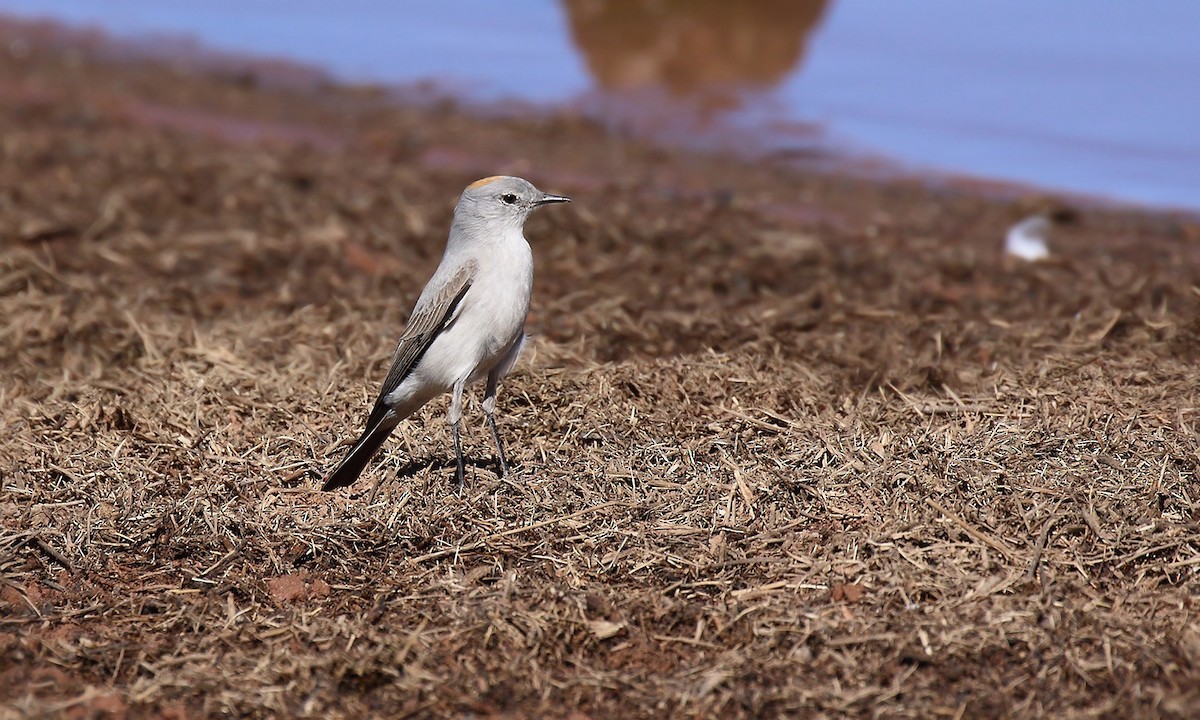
492,317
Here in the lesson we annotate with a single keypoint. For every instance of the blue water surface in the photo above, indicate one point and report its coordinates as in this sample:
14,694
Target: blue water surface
1091,96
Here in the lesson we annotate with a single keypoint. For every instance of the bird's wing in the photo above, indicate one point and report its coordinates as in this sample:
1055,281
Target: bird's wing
428,321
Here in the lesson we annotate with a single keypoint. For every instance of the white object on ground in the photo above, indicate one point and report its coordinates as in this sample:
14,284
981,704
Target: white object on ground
1027,239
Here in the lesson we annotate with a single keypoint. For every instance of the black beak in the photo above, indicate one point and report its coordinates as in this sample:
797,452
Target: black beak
547,198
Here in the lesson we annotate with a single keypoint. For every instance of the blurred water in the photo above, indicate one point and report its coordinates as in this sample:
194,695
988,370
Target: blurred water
1091,96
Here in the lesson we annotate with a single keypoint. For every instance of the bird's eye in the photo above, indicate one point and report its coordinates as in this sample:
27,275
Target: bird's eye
509,198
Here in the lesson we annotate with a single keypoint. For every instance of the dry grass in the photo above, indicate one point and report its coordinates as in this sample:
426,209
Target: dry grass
849,463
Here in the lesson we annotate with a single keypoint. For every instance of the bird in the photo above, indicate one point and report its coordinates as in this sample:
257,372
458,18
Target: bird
468,323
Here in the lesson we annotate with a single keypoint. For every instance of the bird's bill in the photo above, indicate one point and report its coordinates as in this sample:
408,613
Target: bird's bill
547,198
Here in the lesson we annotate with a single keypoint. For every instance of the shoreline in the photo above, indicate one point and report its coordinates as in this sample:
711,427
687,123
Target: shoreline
191,57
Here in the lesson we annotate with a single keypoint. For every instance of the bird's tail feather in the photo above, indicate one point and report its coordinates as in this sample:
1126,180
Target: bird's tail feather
356,460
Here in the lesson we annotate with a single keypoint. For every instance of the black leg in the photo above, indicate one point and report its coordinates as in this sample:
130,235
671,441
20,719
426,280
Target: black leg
459,471
499,445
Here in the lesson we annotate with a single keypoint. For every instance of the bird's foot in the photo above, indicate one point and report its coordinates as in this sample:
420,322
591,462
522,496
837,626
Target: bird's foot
460,475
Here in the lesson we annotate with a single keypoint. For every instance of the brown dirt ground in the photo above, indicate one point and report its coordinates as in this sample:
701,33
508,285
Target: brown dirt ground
789,443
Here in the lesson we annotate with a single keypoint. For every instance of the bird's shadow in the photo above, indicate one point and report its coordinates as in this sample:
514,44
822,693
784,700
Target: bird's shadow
435,465
439,464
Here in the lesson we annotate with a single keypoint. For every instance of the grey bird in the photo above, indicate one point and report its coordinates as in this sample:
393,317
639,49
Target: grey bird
468,323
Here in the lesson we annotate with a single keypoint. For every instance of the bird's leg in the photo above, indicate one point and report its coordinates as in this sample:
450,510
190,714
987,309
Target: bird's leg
489,409
453,417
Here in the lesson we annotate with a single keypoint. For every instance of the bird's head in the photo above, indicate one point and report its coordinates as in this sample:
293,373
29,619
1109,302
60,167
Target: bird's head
502,201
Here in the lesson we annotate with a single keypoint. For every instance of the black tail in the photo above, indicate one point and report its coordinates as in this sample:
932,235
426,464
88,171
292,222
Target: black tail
356,460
